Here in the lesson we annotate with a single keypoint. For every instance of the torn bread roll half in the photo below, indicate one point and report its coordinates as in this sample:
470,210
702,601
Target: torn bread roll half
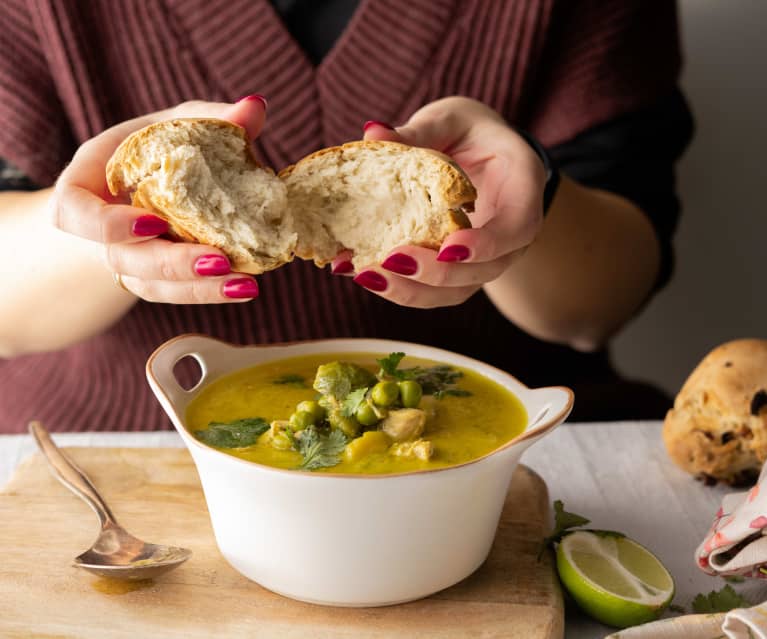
368,197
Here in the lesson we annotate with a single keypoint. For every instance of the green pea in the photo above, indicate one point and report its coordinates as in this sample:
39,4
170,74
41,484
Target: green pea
309,406
411,393
385,393
366,415
301,419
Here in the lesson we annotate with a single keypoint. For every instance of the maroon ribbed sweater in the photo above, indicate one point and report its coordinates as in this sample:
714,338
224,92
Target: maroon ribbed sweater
70,69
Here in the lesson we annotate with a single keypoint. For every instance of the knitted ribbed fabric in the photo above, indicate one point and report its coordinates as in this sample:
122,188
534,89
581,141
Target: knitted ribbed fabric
70,69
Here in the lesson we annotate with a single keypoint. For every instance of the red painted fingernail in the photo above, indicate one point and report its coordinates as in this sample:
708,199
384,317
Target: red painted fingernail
370,123
454,253
255,96
147,225
241,287
400,263
372,280
342,268
212,265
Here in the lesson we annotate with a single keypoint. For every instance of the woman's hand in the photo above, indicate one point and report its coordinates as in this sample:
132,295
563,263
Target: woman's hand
148,266
509,178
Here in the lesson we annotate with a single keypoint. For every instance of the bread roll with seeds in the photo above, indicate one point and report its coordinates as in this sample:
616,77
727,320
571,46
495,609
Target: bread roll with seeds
717,429
368,197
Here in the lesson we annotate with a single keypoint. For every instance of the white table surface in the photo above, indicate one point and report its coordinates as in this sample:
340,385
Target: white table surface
617,474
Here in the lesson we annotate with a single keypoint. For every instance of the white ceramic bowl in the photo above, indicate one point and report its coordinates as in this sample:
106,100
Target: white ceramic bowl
349,540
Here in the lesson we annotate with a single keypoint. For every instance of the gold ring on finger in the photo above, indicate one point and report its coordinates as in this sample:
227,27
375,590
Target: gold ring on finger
118,280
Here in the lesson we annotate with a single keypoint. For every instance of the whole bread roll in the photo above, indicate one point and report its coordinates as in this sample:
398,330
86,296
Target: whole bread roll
717,429
370,197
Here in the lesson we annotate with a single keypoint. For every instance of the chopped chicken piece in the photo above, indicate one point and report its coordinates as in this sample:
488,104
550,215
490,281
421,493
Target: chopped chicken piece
420,449
279,435
403,424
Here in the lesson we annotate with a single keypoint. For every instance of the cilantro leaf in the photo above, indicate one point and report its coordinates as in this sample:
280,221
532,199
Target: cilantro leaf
563,522
389,365
353,401
436,378
677,608
453,392
723,600
318,450
291,379
234,434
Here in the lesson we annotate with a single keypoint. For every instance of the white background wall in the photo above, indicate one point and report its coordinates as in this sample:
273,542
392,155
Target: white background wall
719,289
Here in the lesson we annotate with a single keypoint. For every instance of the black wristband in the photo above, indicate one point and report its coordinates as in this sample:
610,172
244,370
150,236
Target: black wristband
552,171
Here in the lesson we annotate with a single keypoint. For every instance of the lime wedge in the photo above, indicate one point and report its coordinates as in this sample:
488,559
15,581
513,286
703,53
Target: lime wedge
614,579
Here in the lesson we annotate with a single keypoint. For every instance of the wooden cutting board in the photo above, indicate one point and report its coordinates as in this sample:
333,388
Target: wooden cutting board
156,495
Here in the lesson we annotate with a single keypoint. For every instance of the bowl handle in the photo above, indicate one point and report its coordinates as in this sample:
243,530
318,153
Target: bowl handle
555,404
159,367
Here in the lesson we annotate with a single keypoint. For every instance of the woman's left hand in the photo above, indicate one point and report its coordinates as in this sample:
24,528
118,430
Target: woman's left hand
509,178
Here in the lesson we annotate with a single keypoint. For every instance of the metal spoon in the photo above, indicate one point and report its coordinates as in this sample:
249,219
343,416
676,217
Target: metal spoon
116,553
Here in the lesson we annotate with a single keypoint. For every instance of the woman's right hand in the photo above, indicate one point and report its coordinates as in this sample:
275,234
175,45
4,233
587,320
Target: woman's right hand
150,267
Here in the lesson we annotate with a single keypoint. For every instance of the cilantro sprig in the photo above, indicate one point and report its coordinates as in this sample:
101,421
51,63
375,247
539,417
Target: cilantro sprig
565,523
353,401
234,434
291,379
722,600
389,366
438,381
319,450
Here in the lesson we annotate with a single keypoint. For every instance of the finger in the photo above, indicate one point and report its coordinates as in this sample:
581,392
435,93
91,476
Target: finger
249,113
494,241
436,126
78,211
163,260
213,290
420,264
406,292
376,130
342,264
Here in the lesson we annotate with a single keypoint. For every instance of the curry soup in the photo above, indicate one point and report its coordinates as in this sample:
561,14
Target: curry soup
472,417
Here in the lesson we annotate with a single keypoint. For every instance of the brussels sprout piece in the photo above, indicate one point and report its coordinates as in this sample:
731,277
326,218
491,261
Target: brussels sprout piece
341,378
301,419
309,406
349,426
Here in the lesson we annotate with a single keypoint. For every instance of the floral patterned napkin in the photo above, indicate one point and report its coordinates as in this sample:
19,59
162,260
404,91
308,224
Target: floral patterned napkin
736,545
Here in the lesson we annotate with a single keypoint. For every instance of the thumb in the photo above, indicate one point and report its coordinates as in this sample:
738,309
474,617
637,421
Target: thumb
435,126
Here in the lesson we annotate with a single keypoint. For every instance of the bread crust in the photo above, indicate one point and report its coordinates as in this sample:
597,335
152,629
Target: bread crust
131,167
454,185
126,170
717,428
131,151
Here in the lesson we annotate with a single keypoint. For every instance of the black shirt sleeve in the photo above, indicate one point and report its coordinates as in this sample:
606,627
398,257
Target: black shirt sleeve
11,179
633,156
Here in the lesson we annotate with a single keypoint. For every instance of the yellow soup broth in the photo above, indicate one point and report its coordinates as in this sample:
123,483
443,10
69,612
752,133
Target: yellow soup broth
460,428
